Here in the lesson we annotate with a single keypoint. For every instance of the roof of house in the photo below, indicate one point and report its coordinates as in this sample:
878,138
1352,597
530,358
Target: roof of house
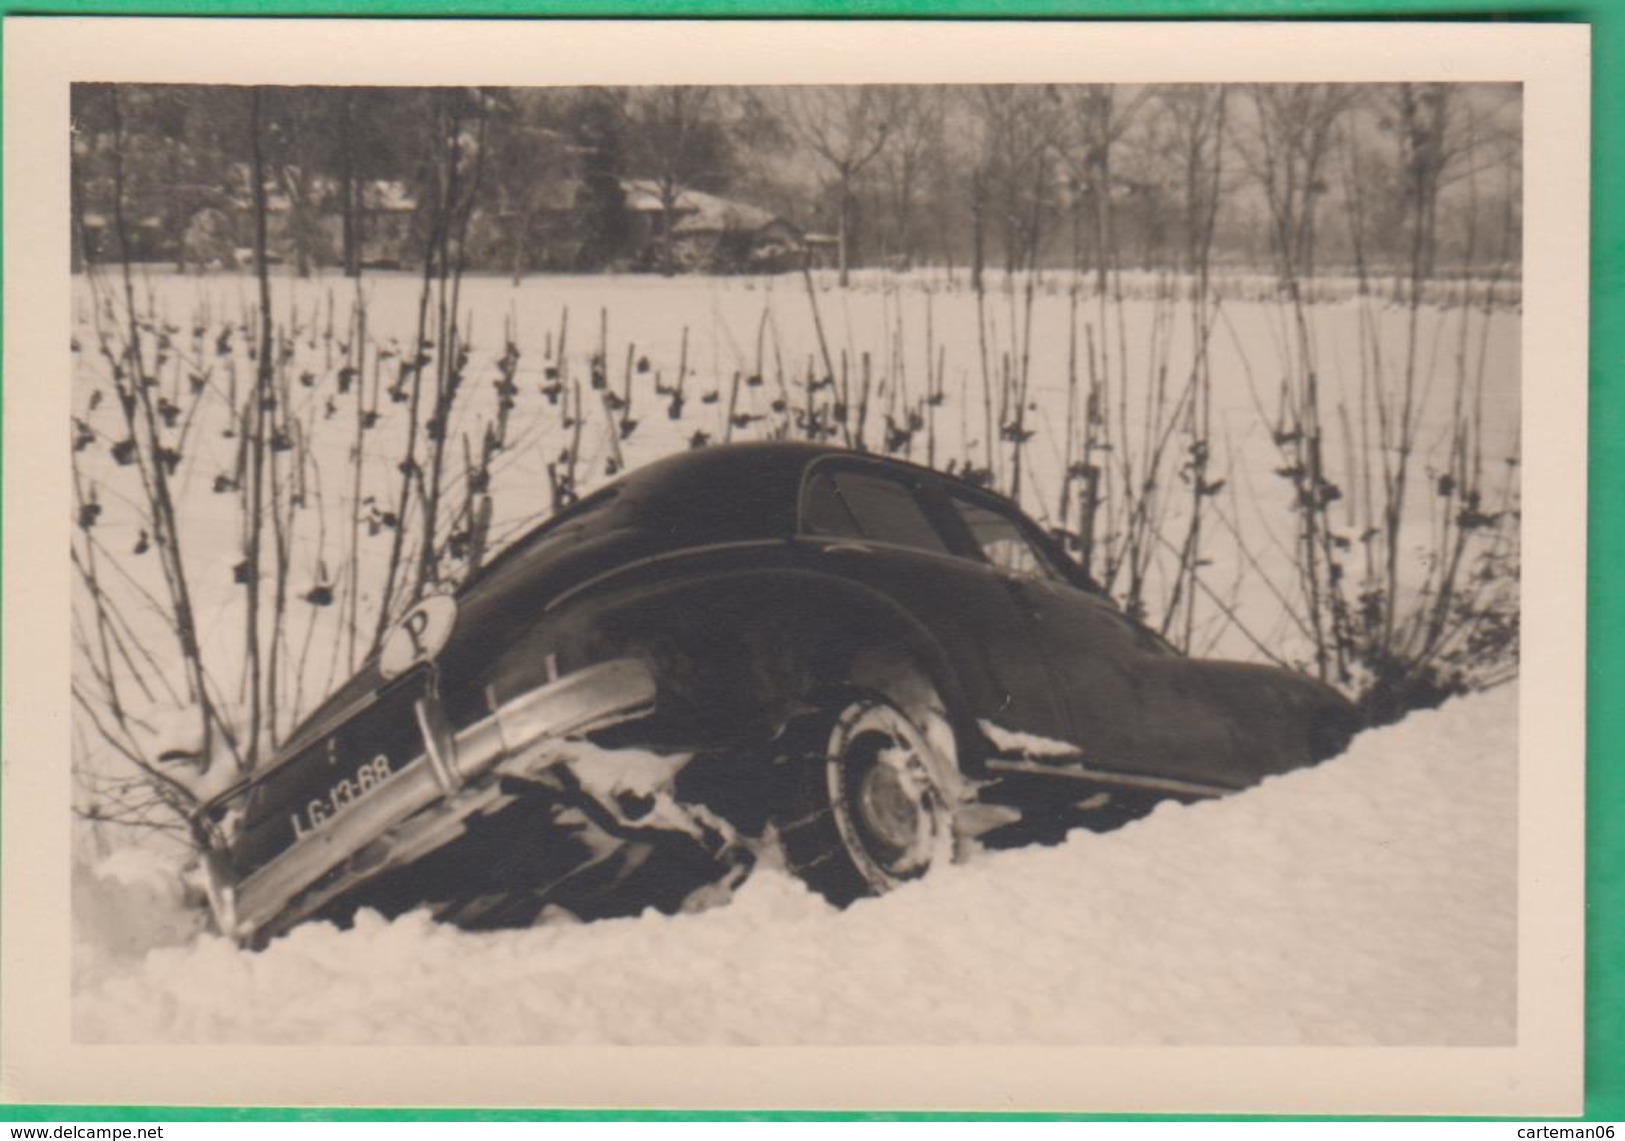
700,212
390,195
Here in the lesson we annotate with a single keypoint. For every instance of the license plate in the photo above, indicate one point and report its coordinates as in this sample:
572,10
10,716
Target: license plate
346,792
299,798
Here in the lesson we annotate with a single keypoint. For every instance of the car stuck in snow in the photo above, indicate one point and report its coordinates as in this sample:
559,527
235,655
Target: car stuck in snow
862,665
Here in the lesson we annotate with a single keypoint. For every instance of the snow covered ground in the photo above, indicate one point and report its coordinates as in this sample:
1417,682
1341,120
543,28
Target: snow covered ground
1370,901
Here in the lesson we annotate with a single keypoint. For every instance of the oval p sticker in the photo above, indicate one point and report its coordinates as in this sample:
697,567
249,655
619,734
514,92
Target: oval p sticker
419,636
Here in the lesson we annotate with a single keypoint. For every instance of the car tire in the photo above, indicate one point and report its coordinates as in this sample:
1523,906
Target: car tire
866,802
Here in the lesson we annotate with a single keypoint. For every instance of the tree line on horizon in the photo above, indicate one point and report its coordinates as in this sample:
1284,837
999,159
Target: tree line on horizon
1293,179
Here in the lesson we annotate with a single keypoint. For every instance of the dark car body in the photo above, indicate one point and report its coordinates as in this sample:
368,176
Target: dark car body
697,608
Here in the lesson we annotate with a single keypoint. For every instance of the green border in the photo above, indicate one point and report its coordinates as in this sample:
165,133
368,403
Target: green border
1605,792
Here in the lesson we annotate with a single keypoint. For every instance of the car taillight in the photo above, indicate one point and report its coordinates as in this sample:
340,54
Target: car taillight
217,877
221,895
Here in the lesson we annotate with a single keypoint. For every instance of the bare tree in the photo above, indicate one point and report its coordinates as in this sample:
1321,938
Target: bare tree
677,142
454,158
297,137
846,128
1096,120
1288,151
1422,114
349,186
134,377
1192,145
917,139
1191,122
1018,125
526,171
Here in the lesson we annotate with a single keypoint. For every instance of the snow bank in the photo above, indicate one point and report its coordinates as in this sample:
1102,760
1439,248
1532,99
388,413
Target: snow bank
1369,901
132,902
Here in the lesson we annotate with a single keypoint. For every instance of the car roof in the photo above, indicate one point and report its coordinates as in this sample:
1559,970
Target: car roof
725,461
718,493
768,458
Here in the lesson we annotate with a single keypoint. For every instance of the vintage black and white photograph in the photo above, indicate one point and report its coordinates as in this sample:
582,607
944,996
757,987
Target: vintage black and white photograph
794,564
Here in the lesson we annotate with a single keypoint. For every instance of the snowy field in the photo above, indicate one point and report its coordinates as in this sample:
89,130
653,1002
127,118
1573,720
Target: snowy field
1370,901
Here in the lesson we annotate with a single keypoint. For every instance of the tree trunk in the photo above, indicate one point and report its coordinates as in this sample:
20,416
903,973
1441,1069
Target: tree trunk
352,246
256,441
520,261
905,217
843,230
77,253
668,219
1100,175
350,192
978,231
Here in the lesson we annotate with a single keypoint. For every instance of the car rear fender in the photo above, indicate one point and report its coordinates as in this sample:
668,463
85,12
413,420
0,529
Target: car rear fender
739,651
1280,720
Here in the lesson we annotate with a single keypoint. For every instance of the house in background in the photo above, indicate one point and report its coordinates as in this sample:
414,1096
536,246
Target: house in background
542,231
304,223
387,221
708,233
823,250
98,239
557,224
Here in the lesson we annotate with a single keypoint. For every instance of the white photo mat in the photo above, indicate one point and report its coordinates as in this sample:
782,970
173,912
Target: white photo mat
39,1062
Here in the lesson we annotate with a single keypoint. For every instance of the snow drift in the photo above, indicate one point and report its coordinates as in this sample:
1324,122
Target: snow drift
1370,901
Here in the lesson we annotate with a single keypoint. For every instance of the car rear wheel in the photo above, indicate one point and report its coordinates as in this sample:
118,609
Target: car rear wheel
868,802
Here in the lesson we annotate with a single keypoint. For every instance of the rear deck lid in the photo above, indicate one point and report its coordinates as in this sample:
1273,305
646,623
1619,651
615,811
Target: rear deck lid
308,789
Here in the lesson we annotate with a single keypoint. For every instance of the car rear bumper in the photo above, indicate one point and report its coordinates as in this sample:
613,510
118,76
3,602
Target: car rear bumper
425,804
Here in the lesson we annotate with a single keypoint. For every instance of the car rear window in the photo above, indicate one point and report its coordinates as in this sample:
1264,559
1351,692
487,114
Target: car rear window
862,505
823,513
1002,541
